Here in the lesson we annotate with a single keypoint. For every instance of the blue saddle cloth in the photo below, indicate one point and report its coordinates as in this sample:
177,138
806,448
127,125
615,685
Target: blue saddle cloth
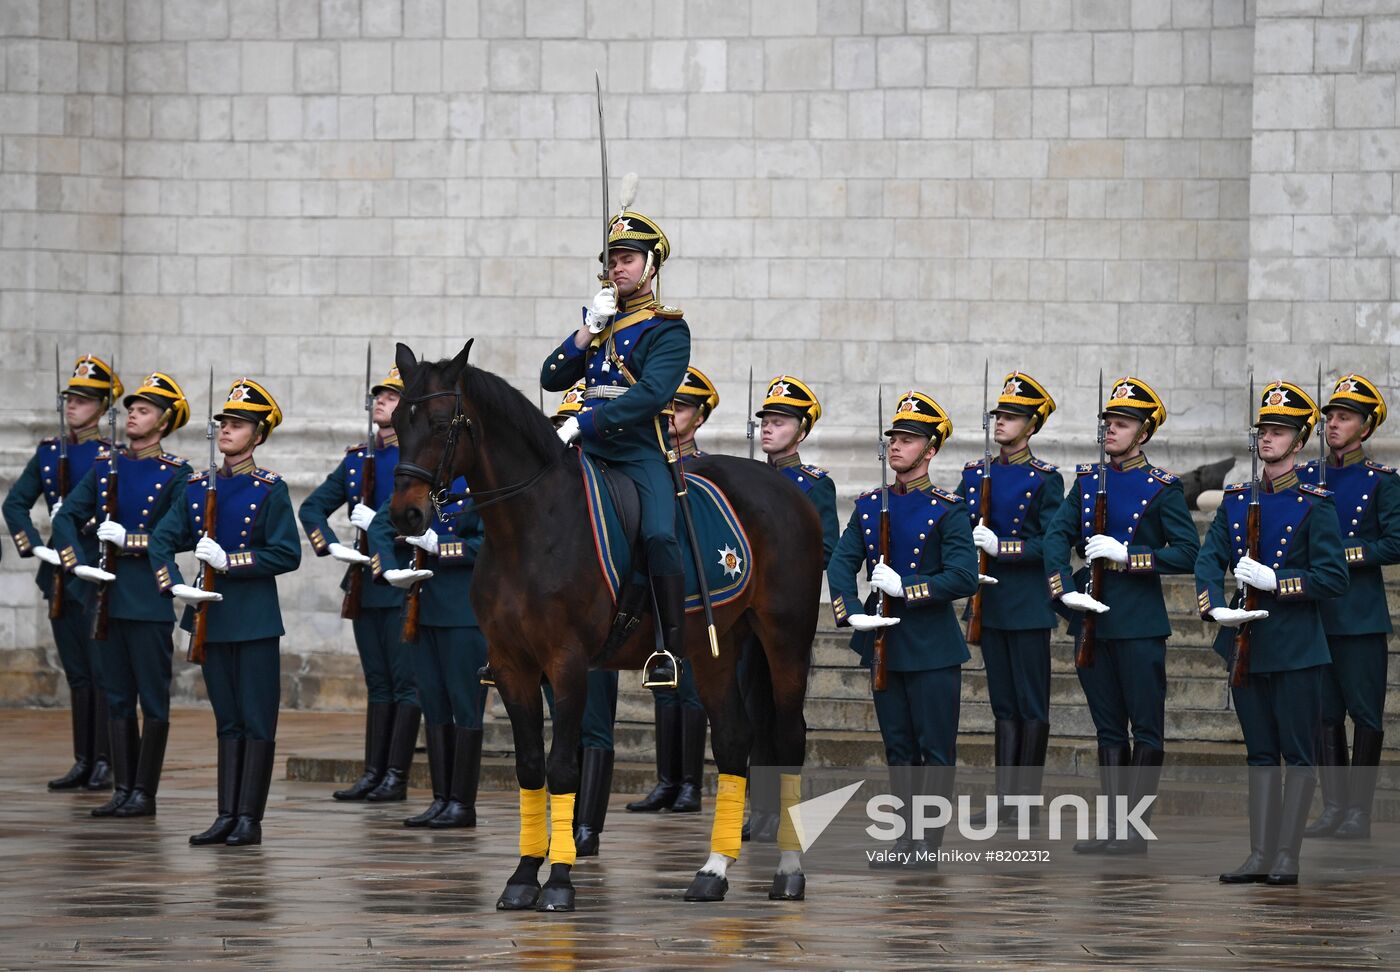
724,546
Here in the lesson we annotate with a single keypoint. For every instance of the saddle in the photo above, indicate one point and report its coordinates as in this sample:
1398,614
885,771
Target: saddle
635,598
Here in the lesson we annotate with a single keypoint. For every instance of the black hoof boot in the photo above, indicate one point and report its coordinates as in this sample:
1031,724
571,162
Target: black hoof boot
707,887
523,889
558,891
788,887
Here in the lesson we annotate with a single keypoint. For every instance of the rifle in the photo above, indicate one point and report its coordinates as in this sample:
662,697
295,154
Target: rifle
60,481
1239,671
354,574
211,513
974,618
107,557
1088,629
750,425
413,601
878,670
1322,435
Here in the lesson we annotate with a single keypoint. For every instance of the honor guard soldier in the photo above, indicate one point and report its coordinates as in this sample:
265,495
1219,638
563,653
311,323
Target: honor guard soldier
932,563
448,651
1367,497
127,493
392,713
633,357
56,467
1012,502
1277,685
1148,532
251,540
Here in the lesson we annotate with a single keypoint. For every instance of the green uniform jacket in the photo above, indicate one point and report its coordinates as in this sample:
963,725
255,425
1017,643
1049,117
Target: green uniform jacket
820,488
445,598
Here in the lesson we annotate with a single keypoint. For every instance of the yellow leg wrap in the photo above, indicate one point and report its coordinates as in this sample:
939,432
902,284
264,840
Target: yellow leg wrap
729,815
789,794
561,828
534,838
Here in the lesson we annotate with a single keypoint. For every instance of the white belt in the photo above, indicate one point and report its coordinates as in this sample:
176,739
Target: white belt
604,391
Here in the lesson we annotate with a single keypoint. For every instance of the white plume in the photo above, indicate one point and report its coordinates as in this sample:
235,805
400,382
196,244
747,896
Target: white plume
629,190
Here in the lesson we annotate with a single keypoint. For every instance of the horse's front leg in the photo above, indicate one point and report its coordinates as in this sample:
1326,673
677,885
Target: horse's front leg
730,740
568,675
520,690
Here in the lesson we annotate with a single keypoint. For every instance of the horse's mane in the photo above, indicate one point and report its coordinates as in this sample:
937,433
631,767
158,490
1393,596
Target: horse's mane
493,395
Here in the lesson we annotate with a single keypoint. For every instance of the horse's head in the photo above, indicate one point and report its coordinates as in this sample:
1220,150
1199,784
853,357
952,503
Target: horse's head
430,420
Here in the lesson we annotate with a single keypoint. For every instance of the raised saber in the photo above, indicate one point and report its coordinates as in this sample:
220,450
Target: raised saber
607,210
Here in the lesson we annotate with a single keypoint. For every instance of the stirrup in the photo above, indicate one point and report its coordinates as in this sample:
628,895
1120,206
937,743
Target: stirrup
653,683
486,675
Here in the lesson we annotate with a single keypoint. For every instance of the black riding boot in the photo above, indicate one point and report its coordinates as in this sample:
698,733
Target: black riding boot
230,774
1365,766
1298,789
142,802
668,746
466,773
101,776
1265,804
1112,760
1035,740
252,792
1332,771
594,788
80,714
439,739
661,670
394,785
379,718
933,781
901,852
1006,751
694,722
1143,777
126,740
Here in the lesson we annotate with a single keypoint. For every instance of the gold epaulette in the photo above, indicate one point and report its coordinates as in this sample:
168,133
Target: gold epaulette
668,312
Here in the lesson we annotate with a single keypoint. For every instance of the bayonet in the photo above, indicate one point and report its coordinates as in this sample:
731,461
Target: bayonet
750,424
62,414
1322,437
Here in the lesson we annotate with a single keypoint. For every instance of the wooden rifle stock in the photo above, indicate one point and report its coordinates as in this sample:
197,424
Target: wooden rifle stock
355,573
108,561
1088,628
879,673
206,582
974,617
413,601
1239,671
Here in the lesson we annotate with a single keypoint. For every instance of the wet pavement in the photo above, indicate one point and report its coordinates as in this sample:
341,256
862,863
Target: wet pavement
347,885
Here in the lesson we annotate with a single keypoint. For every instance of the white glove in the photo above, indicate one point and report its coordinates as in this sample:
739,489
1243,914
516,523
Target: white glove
568,431
985,579
53,510
47,554
406,578
603,309
95,574
884,579
427,541
1234,617
1078,601
1259,576
869,622
1101,547
346,555
110,531
193,595
986,540
361,516
209,551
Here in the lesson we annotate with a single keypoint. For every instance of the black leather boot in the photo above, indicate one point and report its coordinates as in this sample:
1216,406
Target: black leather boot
394,785
1298,789
1265,803
1035,740
694,722
142,802
663,668
378,728
466,773
591,810
1143,777
1006,750
1332,771
100,778
230,775
80,714
1112,760
668,758
439,739
1365,766
126,741
764,805
252,792
900,853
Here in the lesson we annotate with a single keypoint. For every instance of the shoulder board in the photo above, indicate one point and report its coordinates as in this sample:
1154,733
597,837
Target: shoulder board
669,312
104,451
1314,490
1164,476
266,475
1043,466
816,472
1084,468
944,495
170,459
973,464
200,476
1379,467
51,440
350,450
869,493
1236,487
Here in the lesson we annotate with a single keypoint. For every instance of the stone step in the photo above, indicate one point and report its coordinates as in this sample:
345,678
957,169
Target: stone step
854,683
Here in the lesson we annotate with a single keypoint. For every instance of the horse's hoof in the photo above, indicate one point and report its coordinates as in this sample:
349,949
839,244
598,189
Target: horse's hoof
707,887
556,897
518,897
788,887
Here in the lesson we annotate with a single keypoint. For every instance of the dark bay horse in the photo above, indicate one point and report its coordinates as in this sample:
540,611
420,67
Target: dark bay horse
545,609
